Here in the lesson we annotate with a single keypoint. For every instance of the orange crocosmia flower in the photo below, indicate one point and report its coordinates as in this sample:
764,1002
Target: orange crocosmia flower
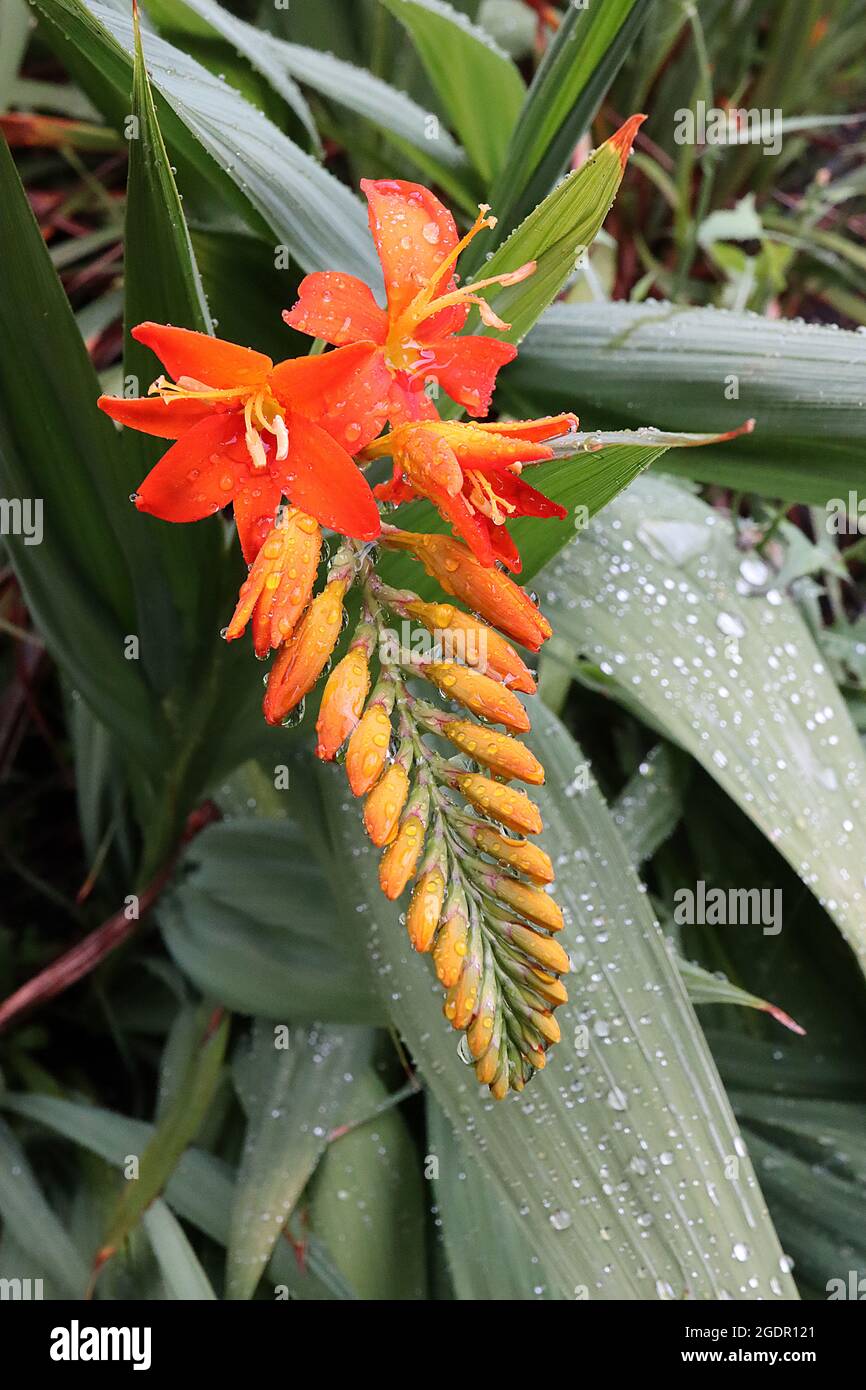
249,432
412,341
472,475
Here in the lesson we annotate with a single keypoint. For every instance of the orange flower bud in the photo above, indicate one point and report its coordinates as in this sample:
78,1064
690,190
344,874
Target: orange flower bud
479,1034
475,644
452,942
384,805
303,658
400,860
500,1084
546,1025
368,746
478,693
505,756
486,590
488,1065
511,808
461,999
278,586
425,909
522,855
543,949
549,987
532,903
345,692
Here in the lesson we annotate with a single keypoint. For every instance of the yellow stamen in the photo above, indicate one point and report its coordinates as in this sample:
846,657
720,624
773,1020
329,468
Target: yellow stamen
483,498
261,412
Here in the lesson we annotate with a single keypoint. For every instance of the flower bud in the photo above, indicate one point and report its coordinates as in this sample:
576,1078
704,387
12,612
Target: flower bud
485,590
384,805
345,692
511,808
506,757
303,658
480,646
425,908
532,903
543,949
461,998
522,855
280,581
368,746
400,860
452,941
483,696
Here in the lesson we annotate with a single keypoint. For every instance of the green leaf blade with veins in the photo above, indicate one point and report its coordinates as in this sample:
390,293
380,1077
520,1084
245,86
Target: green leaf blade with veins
659,599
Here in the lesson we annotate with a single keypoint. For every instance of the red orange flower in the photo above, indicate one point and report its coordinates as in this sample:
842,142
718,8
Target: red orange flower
249,432
472,474
412,341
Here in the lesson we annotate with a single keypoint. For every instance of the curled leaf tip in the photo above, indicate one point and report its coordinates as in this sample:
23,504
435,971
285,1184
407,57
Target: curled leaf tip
623,139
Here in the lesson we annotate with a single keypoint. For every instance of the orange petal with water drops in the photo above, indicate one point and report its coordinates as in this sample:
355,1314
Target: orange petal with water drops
213,361
197,476
320,478
466,368
413,233
152,415
255,505
337,308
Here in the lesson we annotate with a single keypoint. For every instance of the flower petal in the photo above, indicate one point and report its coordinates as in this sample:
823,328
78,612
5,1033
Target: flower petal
211,360
528,500
320,478
255,504
199,474
413,233
409,401
337,308
151,415
466,368
547,427
504,549
345,391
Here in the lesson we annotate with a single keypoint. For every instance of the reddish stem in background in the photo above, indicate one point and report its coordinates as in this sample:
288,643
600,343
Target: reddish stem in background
74,964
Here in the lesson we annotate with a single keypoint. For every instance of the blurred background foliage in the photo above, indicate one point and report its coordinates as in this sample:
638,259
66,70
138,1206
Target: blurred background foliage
221,1008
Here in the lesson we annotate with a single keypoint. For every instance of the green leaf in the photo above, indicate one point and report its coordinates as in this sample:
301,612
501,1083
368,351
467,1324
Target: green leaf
670,366
33,1223
173,567
231,927
704,987
479,86
209,18
554,235
200,1189
695,665
475,1224
650,805
367,1202
220,136
294,1095
76,580
178,1262
578,67
604,1113
176,1129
